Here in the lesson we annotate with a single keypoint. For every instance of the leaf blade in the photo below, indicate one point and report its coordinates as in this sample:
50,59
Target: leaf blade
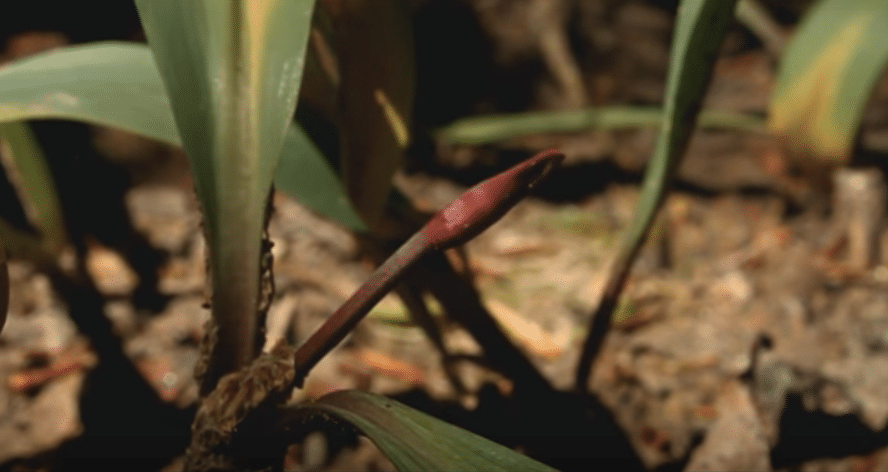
375,52
35,184
232,70
488,129
413,440
826,76
304,174
117,84
108,83
700,27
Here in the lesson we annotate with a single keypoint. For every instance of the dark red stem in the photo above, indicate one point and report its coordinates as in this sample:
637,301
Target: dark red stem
344,319
467,216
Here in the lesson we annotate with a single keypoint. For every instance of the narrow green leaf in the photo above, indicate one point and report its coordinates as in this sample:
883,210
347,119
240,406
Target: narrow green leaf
413,440
24,244
826,76
374,46
112,84
487,129
232,70
117,84
4,288
699,30
29,173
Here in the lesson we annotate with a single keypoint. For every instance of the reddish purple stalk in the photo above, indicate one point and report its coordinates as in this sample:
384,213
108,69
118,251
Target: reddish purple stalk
467,216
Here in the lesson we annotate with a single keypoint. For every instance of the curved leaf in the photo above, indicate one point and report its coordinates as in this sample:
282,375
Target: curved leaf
413,440
29,173
699,29
112,83
303,173
487,129
116,84
826,76
374,47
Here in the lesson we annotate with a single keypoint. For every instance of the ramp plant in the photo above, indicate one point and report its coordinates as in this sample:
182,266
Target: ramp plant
221,78
99,82
232,71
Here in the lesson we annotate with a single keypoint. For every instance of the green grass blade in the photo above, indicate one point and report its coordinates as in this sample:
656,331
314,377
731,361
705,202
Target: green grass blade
413,440
488,129
232,69
700,27
826,76
29,172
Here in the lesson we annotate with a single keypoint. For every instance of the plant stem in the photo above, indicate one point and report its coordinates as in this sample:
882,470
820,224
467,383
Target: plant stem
463,219
334,330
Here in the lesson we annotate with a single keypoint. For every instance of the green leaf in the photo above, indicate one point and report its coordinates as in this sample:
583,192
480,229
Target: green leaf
700,27
374,47
4,288
699,30
826,76
28,171
305,174
232,69
413,440
112,84
117,85
487,129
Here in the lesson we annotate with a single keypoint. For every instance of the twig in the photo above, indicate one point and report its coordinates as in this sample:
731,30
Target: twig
73,359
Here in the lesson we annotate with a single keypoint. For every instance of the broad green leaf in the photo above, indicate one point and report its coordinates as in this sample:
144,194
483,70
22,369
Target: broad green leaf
232,70
699,29
374,47
304,173
117,85
826,76
413,440
487,129
27,170
112,84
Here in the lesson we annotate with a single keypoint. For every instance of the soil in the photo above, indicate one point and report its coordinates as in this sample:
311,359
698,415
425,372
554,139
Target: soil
753,334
